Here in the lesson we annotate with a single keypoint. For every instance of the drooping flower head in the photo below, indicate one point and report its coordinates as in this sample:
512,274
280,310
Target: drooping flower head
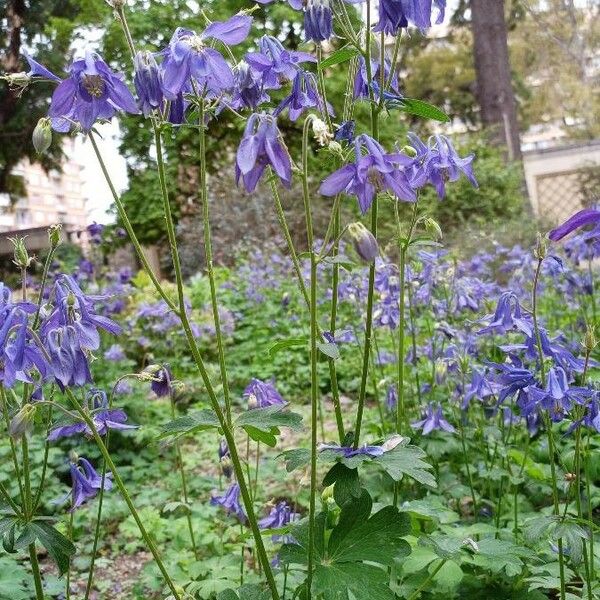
248,91
373,171
274,63
87,482
92,91
350,451
261,394
303,96
148,82
438,162
318,20
279,516
189,59
509,316
362,83
230,502
262,145
433,419
395,15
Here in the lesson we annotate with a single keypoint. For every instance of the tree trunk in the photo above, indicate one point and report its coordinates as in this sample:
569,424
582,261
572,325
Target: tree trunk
492,67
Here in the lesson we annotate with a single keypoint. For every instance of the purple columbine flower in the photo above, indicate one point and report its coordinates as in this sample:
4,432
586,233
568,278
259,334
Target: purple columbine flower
508,317
558,398
188,58
349,451
274,63
362,83
438,163
261,394
395,15
92,91
230,502
262,145
318,20
68,361
148,82
248,91
433,419
86,482
37,70
345,132
75,309
162,381
587,216
279,516
376,171
303,96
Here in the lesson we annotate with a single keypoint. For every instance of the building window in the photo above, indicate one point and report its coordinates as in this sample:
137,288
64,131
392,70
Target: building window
21,217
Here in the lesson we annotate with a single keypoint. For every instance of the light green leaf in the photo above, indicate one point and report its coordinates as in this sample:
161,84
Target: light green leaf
295,458
406,460
190,424
418,108
280,345
339,56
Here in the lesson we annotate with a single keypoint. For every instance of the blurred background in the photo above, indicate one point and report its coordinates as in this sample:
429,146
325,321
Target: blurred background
518,78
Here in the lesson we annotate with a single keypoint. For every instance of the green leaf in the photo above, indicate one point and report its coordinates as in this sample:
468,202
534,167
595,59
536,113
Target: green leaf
379,539
339,56
295,458
535,529
265,437
190,424
227,594
329,349
406,460
345,481
448,577
269,419
59,547
364,582
418,108
280,345
572,536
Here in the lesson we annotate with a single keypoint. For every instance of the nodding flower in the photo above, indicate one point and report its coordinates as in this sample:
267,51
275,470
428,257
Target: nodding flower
262,145
318,20
86,482
372,172
395,15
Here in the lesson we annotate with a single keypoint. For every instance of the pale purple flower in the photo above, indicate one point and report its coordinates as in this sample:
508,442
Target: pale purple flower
395,15
374,172
262,145
279,516
148,82
91,92
261,394
349,451
115,353
87,482
303,96
230,502
433,419
189,58
318,20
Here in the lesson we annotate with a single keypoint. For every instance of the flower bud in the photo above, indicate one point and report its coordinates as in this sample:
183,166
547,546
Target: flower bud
54,235
327,493
409,151
541,247
22,423
589,340
148,82
42,135
21,256
321,132
365,243
433,229
226,467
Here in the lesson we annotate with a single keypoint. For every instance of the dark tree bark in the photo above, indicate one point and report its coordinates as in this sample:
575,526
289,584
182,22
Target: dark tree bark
492,66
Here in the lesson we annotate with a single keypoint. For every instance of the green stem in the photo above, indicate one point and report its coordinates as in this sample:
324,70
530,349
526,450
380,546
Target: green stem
13,448
548,424
129,228
47,263
314,392
433,573
123,490
37,576
184,484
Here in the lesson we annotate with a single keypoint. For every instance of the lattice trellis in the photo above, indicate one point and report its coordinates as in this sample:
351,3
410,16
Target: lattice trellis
561,194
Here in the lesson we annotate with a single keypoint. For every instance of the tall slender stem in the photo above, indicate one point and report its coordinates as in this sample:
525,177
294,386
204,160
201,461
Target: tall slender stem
314,392
548,422
214,402
37,576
